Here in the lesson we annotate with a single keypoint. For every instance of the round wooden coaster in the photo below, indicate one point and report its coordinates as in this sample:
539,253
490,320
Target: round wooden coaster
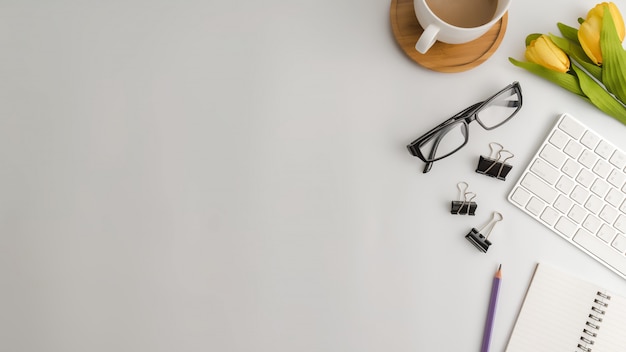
442,57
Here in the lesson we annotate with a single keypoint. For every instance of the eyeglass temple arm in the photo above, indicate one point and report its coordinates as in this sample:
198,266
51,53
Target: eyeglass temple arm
428,166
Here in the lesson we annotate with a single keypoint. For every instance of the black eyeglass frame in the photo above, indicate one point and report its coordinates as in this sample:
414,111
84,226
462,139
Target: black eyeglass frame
465,117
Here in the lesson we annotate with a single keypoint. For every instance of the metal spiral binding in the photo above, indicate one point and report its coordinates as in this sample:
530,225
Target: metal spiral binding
598,310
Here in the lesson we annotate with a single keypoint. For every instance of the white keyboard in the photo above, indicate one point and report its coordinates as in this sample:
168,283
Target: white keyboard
576,186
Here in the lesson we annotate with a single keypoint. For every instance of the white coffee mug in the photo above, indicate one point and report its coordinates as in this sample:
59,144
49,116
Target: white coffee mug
456,21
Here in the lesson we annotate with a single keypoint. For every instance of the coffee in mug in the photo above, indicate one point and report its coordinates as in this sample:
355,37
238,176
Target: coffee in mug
456,21
464,13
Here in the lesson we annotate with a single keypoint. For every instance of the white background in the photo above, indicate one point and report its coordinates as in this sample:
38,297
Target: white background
232,176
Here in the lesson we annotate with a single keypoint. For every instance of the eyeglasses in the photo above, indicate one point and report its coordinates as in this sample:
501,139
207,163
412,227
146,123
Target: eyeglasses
451,135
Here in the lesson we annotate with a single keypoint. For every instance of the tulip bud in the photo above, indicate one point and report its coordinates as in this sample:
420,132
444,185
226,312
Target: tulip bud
589,32
544,52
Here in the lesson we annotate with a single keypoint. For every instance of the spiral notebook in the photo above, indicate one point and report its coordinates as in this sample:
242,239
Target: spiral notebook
564,313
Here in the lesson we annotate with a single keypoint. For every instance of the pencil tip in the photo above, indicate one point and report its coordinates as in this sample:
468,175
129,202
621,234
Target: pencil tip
500,267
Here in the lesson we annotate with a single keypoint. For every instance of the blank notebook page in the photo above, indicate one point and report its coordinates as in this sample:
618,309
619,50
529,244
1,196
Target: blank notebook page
558,314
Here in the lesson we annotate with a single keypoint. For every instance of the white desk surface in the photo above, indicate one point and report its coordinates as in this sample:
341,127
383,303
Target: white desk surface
232,176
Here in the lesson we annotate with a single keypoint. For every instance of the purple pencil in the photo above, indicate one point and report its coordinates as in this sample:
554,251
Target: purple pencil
492,310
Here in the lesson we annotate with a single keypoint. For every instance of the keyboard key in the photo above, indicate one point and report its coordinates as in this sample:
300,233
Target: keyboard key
565,185
608,214
606,233
594,204
620,223
538,187
573,149
553,156
592,223
520,196
535,206
602,168
550,216
604,149
563,204
618,159
614,197
617,178
600,188
585,177
559,139
607,255
571,168
572,127
590,140
566,227
588,158
577,214
619,243
546,171
579,194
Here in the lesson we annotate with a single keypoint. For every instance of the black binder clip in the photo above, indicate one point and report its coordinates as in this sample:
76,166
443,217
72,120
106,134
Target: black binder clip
479,240
495,165
465,205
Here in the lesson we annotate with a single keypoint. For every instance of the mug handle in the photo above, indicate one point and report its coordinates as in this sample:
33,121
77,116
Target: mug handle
427,39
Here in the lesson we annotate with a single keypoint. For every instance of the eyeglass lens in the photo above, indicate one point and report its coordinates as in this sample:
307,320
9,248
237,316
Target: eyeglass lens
499,109
446,142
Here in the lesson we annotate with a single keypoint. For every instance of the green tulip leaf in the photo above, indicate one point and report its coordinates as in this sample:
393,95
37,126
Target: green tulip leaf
567,81
599,96
576,52
532,37
568,32
613,58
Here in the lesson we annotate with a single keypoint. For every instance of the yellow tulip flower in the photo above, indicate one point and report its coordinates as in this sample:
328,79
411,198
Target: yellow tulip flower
544,52
589,32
